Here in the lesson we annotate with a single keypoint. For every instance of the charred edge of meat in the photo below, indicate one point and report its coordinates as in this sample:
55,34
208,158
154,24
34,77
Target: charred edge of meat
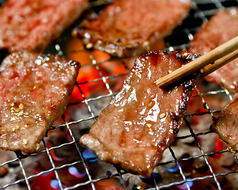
109,174
205,106
214,120
2,2
176,130
74,63
179,56
81,28
129,47
77,30
174,118
166,52
197,56
188,87
186,57
44,57
113,48
118,40
20,154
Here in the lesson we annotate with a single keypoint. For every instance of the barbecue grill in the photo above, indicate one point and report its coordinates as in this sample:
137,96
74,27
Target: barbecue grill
196,160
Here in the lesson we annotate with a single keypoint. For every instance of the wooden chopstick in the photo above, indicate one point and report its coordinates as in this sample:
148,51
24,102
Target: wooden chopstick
223,54
219,63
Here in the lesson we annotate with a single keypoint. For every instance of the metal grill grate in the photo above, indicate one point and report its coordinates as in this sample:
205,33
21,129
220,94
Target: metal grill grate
62,159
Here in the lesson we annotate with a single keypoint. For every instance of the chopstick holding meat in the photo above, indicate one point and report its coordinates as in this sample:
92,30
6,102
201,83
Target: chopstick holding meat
203,65
142,121
34,91
129,27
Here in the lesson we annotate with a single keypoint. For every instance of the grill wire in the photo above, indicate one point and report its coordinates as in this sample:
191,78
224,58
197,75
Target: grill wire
201,11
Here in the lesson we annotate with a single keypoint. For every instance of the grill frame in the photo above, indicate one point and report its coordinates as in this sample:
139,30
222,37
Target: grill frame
201,15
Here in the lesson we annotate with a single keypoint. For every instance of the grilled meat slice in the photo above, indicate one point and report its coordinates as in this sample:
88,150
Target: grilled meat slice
33,24
129,27
142,121
221,28
34,91
226,124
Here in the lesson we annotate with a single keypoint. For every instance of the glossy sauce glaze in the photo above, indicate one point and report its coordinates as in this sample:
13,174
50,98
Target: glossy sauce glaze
142,121
125,27
34,91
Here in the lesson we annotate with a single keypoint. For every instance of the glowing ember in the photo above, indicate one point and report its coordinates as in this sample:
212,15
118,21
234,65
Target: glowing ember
76,96
219,146
100,56
46,182
89,72
108,184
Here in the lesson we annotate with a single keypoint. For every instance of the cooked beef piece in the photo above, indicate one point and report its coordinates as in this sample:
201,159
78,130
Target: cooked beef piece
33,24
226,124
221,28
128,27
142,121
34,91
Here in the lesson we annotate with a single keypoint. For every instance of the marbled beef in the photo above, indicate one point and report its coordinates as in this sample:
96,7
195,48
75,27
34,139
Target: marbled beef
226,124
34,91
221,28
33,24
142,121
128,27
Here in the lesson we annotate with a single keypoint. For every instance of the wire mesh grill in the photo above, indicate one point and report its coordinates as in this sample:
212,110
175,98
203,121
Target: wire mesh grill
196,160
